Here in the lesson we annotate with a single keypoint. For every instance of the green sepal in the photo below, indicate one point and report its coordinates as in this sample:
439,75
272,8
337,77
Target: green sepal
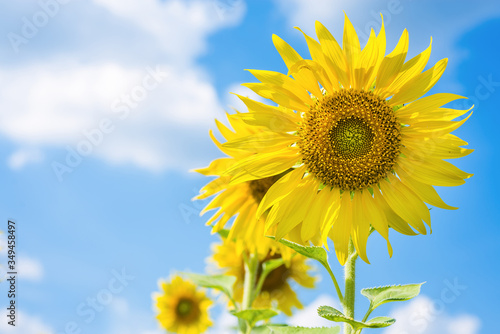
224,233
395,108
304,330
333,314
272,264
222,283
394,293
254,315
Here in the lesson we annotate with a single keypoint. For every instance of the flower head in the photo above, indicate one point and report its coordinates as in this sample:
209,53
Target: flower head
358,144
242,199
181,307
276,289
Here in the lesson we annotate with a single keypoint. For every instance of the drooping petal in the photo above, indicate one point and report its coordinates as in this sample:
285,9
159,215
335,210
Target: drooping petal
341,229
360,226
426,192
376,217
280,189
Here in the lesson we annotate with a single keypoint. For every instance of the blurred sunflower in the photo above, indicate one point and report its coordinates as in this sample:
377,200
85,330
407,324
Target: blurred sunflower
361,147
276,290
181,307
240,200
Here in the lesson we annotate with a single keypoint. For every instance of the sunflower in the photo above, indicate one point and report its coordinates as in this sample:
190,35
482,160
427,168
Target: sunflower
240,200
181,307
276,289
362,147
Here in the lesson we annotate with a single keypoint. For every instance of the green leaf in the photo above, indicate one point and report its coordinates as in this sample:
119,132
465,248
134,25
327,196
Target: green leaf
304,330
379,322
386,294
254,315
222,283
312,252
333,314
260,330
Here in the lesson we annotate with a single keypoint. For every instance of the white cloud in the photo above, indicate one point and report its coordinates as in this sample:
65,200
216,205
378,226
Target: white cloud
29,268
181,27
423,315
308,317
303,13
22,157
224,324
123,318
26,324
54,103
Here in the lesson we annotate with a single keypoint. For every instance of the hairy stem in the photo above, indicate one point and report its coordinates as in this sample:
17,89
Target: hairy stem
251,266
350,286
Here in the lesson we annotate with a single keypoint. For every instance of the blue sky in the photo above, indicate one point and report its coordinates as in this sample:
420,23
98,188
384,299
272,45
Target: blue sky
145,79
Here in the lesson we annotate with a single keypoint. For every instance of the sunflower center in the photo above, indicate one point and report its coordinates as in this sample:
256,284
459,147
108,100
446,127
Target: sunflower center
186,309
350,139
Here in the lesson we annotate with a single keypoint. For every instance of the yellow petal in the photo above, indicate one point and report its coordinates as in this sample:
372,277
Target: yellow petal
331,82
279,95
394,221
426,104
431,172
289,55
262,165
331,207
333,51
430,129
403,205
262,142
424,191
360,227
410,69
280,189
366,68
299,203
391,66
376,216
275,121
437,148
213,187
350,45
216,167
311,73
341,229
419,85
281,80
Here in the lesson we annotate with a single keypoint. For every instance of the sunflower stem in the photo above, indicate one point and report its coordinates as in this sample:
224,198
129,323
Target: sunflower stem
350,286
251,266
